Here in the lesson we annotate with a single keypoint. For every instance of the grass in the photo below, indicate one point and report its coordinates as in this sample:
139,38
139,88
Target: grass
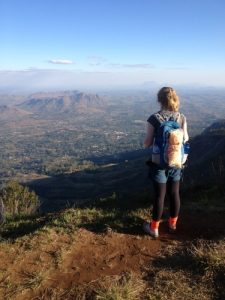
125,287
193,270
98,217
31,279
210,255
182,270
172,284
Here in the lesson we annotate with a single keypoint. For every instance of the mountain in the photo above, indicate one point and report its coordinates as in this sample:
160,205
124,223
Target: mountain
208,145
63,102
216,129
207,156
12,113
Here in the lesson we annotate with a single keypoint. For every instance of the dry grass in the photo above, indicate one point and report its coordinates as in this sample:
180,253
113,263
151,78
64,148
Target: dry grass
169,284
126,287
210,255
32,280
28,281
189,271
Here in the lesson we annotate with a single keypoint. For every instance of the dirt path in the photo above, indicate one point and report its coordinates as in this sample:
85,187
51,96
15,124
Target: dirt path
52,260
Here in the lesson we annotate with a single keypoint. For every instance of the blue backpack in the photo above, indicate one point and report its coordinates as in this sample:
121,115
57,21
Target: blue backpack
168,149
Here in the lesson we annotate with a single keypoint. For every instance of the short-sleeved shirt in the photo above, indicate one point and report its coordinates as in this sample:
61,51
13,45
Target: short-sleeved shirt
166,115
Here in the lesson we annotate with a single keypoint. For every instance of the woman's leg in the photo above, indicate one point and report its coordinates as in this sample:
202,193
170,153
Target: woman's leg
157,175
174,196
158,204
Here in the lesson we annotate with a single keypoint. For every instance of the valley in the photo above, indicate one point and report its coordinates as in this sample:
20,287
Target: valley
72,141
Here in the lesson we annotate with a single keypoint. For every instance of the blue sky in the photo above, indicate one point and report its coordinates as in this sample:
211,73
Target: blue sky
111,43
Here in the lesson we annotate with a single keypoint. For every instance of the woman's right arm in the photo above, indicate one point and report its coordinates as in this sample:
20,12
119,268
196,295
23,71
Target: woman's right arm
149,135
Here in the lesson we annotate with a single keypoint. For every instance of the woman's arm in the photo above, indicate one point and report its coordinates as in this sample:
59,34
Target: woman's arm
149,135
186,136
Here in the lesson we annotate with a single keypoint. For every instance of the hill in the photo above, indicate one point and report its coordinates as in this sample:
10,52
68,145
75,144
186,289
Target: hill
217,128
12,113
207,156
63,102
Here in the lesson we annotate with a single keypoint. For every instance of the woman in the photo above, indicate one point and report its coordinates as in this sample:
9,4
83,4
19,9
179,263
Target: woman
164,179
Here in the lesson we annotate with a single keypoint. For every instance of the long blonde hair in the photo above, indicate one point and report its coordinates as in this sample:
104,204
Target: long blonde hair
168,99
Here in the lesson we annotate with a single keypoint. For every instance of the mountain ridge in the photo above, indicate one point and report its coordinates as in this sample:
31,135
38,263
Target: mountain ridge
63,102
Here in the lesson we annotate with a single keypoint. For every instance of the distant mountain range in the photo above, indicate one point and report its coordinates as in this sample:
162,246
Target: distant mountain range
54,103
63,102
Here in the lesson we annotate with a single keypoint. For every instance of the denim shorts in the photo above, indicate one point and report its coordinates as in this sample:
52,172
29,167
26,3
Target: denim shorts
163,175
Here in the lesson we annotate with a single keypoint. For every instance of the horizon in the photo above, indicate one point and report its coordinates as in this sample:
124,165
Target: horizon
181,90
51,45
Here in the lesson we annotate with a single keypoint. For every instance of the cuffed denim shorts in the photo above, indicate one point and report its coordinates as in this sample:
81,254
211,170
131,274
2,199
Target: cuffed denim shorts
163,175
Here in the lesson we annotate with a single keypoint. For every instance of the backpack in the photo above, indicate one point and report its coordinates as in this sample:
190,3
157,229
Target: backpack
168,149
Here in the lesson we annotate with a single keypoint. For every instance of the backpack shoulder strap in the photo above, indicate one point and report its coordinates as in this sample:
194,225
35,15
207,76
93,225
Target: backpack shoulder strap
178,117
168,117
160,117
181,119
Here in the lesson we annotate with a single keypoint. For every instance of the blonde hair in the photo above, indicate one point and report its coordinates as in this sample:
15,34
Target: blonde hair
168,99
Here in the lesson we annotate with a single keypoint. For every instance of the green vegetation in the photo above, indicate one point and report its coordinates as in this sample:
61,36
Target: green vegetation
100,216
18,200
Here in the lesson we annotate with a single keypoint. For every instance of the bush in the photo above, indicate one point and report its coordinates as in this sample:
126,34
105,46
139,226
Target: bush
18,200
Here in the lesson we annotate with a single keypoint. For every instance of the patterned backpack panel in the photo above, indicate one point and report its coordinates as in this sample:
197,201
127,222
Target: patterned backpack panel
168,147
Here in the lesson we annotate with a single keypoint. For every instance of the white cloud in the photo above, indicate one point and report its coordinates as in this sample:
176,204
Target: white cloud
61,61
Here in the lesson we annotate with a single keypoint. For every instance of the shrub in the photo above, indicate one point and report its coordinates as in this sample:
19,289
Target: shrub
18,199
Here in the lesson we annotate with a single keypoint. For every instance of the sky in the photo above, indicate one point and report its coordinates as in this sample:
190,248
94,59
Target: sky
70,44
